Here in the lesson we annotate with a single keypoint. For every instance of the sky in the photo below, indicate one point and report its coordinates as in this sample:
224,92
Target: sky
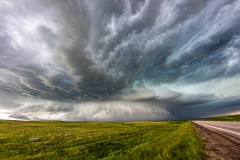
119,60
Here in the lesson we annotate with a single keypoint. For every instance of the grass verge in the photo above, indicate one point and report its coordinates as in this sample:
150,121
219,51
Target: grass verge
224,118
99,140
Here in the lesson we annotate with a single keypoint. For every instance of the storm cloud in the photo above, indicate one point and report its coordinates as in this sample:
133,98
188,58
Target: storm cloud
114,60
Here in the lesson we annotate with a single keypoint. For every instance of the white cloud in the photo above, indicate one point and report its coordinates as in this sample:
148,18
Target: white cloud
91,111
223,88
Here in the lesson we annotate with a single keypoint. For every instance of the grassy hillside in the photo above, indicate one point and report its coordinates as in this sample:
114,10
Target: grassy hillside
98,140
224,118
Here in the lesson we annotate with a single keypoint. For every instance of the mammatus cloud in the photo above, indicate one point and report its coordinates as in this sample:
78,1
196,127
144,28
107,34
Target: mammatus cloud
138,59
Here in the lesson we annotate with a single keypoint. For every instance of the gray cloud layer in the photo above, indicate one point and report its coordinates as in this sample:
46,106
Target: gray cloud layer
113,111
128,51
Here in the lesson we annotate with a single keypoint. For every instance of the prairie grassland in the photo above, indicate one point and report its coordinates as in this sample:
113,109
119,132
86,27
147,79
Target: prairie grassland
224,118
99,140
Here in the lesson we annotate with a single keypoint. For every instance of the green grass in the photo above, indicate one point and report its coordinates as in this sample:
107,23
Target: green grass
99,140
224,118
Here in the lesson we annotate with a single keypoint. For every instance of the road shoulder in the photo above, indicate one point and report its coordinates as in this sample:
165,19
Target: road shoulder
218,147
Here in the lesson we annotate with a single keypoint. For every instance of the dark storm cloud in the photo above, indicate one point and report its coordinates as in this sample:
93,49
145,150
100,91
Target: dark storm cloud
209,109
102,50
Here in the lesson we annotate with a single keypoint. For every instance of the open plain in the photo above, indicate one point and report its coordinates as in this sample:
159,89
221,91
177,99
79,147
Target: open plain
99,140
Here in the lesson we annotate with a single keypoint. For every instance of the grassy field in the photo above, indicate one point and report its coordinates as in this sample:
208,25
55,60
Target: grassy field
99,140
224,118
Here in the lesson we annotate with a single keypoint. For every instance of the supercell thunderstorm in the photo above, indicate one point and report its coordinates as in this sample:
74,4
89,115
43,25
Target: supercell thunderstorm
111,60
